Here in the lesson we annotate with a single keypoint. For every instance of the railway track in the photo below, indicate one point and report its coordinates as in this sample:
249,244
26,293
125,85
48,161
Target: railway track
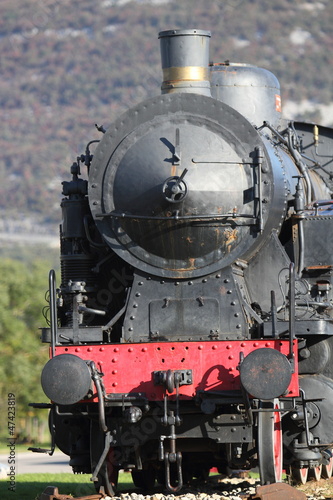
239,489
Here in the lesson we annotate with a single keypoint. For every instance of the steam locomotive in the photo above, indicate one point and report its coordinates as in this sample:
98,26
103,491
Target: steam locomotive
192,327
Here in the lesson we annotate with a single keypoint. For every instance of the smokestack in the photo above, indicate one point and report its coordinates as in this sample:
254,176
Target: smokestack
185,61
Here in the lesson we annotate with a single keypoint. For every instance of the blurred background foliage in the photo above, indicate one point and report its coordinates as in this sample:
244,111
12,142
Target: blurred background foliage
22,357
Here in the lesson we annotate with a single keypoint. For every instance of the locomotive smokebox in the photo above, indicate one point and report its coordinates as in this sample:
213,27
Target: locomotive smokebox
66,379
185,60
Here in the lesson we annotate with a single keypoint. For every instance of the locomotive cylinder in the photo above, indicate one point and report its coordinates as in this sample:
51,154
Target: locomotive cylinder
185,59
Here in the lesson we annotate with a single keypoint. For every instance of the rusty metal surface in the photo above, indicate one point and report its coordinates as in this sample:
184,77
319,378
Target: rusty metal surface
52,493
277,491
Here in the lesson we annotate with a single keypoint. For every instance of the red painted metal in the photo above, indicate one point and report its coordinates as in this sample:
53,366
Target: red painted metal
128,368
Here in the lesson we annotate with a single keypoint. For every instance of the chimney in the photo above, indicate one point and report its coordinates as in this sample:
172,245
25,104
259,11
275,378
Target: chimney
185,61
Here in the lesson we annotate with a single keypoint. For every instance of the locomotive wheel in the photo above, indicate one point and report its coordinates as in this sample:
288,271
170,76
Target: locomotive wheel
315,473
107,478
299,475
327,470
144,479
270,443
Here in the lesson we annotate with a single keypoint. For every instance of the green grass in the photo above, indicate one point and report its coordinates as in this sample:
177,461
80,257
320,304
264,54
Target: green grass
30,486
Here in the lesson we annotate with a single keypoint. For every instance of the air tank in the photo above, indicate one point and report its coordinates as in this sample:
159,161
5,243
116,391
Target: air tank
254,92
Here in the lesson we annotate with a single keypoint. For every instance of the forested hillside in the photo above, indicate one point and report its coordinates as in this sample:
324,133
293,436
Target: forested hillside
66,65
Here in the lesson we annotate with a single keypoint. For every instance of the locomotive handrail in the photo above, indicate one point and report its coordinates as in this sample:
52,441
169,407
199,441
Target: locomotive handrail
322,203
53,310
292,301
118,215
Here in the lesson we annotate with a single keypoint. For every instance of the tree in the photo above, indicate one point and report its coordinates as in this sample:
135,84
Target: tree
22,356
